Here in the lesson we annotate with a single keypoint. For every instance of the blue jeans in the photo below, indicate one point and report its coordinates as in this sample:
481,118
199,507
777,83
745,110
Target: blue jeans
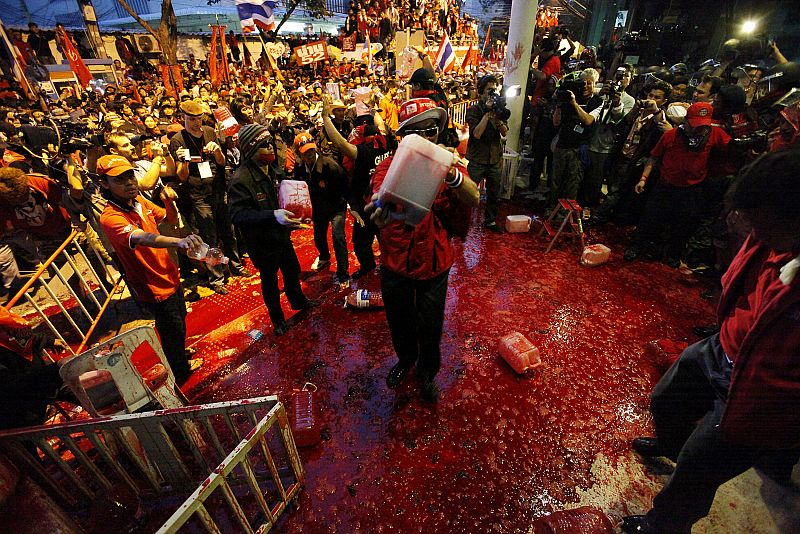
479,172
336,222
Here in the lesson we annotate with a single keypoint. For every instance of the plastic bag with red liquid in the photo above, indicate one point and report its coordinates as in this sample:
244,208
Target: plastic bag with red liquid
293,195
583,520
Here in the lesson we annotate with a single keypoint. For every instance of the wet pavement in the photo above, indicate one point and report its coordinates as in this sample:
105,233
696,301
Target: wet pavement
498,449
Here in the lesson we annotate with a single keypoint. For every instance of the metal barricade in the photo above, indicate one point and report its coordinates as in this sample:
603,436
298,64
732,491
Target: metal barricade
458,111
87,305
77,461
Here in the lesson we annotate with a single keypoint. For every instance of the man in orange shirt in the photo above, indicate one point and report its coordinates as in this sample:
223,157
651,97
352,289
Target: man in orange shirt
131,223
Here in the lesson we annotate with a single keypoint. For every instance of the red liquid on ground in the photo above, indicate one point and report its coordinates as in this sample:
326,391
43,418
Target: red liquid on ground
498,449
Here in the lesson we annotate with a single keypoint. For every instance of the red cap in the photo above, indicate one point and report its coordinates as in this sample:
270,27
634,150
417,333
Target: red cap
699,114
113,165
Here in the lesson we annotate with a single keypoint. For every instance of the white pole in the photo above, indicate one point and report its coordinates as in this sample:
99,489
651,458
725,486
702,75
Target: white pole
518,62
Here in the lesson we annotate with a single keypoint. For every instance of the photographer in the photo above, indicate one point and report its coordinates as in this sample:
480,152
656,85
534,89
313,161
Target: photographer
487,127
616,105
149,164
201,165
574,122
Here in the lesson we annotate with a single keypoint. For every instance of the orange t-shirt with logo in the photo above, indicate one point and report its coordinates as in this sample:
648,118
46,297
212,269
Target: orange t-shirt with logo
149,272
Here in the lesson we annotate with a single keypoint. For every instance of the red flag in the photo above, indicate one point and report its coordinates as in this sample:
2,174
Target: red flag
136,96
248,62
75,62
212,58
486,41
468,59
225,74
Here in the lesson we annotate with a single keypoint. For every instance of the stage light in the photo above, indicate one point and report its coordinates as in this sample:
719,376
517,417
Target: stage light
749,26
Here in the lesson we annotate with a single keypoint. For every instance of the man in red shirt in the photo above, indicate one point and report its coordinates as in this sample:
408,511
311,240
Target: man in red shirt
682,155
416,260
131,223
742,384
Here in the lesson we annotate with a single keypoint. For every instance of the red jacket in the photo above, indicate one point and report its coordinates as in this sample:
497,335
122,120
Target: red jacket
763,408
423,251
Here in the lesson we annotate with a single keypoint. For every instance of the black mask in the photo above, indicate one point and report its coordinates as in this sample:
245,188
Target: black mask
697,141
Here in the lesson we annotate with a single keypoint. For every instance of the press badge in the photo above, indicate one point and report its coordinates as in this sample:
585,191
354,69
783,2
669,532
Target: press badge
204,168
579,128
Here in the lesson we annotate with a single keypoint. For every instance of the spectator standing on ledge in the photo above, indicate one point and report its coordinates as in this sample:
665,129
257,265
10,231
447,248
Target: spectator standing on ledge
131,223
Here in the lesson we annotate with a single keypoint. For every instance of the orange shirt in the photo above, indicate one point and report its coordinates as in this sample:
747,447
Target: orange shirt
149,272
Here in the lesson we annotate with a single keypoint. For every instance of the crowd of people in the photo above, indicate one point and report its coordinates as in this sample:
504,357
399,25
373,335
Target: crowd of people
658,149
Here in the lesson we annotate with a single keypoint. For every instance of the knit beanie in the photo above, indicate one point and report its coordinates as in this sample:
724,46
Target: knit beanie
251,138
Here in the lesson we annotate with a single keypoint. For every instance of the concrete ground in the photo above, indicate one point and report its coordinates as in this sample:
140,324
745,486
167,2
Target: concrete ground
498,449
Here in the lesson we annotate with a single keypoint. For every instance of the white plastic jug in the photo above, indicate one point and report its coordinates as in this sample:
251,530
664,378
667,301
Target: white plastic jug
415,177
517,223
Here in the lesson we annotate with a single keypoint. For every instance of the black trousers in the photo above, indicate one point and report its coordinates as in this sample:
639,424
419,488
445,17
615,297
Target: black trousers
695,388
415,313
170,315
363,237
282,257
669,208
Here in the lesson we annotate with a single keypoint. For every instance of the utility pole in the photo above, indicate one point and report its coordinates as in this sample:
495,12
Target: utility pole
92,29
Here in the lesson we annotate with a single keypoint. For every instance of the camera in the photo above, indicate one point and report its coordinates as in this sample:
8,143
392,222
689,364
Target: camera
562,92
757,142
498,104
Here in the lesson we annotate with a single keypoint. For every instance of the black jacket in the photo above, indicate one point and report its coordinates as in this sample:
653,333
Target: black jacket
252,201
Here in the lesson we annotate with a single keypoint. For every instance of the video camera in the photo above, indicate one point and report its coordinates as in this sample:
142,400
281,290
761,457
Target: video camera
575,85
500,107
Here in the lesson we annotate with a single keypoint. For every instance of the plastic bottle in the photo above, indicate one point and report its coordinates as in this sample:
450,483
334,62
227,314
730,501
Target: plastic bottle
363,298
415,177
227,122
210,255
304,418
595,255
520,353
517,224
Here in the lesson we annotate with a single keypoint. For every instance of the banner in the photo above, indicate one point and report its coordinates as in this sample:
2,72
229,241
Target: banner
75,62
172,72
349,42
212,58
311,53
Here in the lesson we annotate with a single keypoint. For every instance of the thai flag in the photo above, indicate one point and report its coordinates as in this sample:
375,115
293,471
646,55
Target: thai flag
446,57
254,13
366,55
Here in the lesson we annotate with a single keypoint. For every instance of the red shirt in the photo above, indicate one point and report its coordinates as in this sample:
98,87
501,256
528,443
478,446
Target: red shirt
423,251
551,67
41,215
149,272
760,286
681,167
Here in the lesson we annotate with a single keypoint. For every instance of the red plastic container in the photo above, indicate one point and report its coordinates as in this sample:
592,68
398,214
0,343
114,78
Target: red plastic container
227,122
293,195
304,418
519,352
583,520
595,255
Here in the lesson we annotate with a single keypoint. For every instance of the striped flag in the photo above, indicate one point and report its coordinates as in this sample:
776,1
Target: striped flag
446,57
254,13
366,55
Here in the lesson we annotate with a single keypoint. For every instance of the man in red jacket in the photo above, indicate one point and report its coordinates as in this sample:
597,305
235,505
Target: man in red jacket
416,260
742,384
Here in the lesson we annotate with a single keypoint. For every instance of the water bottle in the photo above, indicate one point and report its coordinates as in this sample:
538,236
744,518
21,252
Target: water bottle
363,298
210,255
304,418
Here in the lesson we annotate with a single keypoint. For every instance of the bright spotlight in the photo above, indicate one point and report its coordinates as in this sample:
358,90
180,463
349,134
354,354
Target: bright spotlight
749,26
513,91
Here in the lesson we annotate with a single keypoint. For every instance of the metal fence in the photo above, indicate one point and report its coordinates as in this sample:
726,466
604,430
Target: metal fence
458,111
171,451
81,289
